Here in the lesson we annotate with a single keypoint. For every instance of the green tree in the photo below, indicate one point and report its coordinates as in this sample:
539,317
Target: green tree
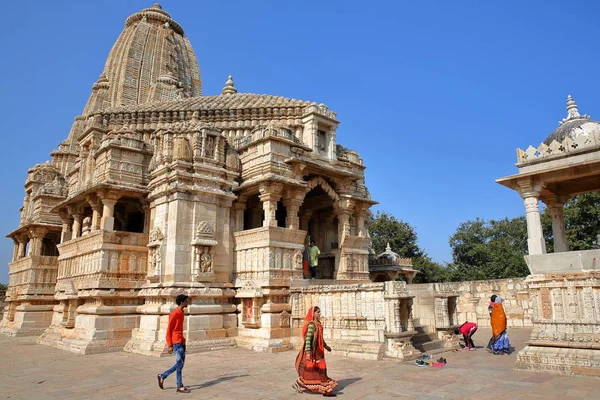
384,228
489,249
582,222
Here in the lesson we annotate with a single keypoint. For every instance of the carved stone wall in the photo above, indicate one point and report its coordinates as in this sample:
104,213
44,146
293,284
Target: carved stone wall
566,315
362,320
473,298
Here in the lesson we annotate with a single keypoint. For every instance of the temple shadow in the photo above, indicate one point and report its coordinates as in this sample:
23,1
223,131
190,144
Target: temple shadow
216,381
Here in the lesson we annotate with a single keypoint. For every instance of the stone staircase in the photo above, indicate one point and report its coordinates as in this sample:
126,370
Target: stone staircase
427,342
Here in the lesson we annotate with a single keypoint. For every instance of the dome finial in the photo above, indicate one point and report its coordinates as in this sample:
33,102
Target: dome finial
388,248
572,111
156,5
229,88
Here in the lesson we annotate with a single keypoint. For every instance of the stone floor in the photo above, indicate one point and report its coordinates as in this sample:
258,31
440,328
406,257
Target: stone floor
32,371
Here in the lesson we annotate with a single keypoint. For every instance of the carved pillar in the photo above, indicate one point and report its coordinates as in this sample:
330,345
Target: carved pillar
293,200
37,236
535,237
15,255
66,229
108,209
96,212
442,318
343,226
21,247
77,218
270,193
558,226
360,222
331,151
238,213
530,191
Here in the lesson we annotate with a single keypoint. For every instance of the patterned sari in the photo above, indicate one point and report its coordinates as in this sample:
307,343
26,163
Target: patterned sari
312,370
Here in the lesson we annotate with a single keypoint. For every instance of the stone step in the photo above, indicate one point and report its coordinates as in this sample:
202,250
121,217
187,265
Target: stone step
423,337
431,347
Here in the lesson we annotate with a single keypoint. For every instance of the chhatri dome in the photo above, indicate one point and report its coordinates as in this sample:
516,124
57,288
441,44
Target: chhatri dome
573,125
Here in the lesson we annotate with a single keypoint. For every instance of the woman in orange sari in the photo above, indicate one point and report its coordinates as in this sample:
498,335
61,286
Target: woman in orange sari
499,342
310,362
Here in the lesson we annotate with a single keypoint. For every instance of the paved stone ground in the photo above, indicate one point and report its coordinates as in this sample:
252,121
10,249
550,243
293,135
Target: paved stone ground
32,371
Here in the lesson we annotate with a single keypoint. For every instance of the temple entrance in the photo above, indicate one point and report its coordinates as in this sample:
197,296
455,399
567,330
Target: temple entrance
318,219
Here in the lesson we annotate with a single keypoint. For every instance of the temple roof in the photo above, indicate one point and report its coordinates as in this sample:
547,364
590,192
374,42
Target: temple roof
223,101
573,125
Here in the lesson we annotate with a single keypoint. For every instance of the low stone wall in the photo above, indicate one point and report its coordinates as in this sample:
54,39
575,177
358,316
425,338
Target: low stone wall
473,300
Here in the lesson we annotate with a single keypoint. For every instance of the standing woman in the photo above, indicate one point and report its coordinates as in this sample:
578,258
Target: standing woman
310,362
500,344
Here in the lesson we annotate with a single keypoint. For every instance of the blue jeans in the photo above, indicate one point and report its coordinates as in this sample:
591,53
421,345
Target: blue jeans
179,350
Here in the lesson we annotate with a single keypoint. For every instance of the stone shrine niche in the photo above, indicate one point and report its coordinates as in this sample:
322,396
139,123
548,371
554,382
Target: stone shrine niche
251,302
203,253
155,255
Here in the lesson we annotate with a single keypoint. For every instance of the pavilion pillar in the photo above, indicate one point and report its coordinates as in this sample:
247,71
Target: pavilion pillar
558,225
535,238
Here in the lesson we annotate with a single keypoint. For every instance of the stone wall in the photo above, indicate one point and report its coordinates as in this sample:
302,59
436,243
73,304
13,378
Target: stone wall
473,300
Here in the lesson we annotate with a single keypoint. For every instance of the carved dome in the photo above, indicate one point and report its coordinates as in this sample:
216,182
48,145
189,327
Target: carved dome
151,61
574,125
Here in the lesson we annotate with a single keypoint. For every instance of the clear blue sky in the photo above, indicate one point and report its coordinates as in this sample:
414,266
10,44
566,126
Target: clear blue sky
434,95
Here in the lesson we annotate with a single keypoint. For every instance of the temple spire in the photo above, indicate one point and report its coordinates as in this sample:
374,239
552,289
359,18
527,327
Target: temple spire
388,248
229,88
572,111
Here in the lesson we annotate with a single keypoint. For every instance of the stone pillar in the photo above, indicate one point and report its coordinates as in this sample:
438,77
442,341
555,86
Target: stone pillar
535,236
96,212
21,250
270,193
108,210
238,213
15,255
66,229
77,218
360,222
293,200
37,237
558,227
332,154
343,226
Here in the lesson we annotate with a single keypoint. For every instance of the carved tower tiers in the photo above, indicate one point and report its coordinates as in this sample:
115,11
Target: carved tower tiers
32,272
190,245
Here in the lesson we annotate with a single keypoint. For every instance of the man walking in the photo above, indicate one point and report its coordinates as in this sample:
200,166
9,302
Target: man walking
313,258
176,343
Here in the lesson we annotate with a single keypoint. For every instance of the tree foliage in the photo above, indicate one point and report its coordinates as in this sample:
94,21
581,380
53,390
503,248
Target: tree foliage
384,228
489,249
582,222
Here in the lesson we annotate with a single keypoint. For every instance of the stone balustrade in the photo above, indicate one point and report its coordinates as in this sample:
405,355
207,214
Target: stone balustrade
268,253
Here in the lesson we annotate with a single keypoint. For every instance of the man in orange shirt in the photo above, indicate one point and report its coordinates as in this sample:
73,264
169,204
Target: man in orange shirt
176,342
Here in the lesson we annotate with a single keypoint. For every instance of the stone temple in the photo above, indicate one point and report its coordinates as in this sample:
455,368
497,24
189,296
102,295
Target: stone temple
159,190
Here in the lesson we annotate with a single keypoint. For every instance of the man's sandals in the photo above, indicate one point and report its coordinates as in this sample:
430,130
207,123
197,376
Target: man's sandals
183,389
160,381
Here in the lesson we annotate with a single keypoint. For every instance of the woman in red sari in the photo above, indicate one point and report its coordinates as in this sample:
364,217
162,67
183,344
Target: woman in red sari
310,362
